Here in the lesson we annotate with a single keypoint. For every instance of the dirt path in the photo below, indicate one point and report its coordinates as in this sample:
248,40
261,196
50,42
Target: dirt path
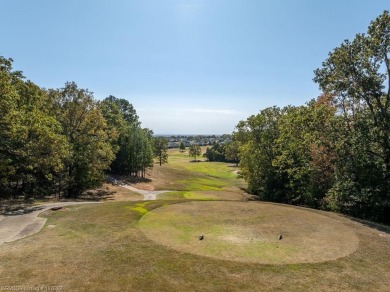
14,227
148,195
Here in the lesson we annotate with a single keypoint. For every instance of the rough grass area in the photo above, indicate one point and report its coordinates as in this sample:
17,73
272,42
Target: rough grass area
101,248
248,232
122,194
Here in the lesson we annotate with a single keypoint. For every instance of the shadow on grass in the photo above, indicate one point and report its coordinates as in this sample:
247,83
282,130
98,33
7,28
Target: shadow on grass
249,196
15,205
126,179
377,226
97,195
14,210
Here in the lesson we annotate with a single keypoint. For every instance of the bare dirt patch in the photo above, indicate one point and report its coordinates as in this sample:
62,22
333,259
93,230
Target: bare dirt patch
122,194
248,232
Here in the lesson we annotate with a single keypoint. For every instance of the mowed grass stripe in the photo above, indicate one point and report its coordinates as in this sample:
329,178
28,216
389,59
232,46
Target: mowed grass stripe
182,174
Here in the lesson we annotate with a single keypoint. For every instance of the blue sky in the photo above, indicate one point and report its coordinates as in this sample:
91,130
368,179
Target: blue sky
187,66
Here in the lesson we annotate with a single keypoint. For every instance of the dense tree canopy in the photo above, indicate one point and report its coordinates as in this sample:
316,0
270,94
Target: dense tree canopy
62,141
333,153
32,147
195,151
232,151
257,135
357,75
215,153
89,138
134,144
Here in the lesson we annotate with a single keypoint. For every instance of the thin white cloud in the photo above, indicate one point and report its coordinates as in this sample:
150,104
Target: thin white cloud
191,110
212,111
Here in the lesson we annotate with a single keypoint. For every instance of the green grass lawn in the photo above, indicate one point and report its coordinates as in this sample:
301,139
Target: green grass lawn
248,232
105,247
181,174
101,248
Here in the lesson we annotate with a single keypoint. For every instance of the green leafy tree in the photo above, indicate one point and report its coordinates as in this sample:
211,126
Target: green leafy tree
300,149
161,150
195,151
143,151
89,137
293,153
32,148
133,145
115,121
126,109
232,151
62,140
257,136
215,153
182,146
357,75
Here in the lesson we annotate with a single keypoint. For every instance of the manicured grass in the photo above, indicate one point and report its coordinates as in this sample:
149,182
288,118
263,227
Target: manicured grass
202,195
248,232
101,248
177,195
154,246
140,208
182,174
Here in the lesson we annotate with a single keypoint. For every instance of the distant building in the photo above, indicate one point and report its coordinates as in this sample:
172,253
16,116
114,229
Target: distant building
202,140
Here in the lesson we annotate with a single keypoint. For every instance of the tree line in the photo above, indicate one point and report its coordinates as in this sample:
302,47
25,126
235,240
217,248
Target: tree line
334,152
62,141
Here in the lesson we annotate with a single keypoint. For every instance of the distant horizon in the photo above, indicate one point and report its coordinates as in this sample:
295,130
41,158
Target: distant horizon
186,66
189,135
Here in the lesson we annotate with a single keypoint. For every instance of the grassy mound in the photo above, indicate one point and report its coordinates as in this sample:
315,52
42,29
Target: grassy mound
101,248
248,232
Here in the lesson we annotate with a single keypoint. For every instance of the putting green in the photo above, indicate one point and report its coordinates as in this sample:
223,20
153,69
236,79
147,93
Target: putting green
248,232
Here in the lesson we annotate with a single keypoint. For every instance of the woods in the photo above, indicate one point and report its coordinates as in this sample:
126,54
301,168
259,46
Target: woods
62,141
334,152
